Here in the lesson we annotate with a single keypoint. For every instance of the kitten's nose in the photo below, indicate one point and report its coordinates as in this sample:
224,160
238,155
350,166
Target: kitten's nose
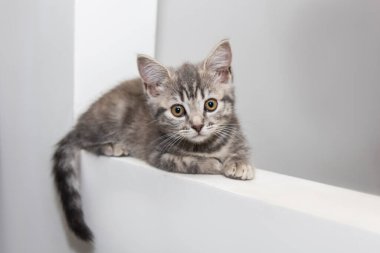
197,128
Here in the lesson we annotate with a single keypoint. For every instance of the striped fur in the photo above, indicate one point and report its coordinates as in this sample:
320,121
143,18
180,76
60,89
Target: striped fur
65,173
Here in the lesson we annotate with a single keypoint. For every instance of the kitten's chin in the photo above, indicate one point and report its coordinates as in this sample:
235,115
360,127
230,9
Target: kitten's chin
199,138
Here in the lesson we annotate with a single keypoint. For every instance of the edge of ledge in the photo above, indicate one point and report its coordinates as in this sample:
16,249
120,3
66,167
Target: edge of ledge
328,202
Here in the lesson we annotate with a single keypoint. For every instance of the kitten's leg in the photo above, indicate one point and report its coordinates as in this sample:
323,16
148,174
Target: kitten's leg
110,149
188,164
238,168
115,149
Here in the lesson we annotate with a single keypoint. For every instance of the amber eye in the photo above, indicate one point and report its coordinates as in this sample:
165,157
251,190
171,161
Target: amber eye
178,110
211,105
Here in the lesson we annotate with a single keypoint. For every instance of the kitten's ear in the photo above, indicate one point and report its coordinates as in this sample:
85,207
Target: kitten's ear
153,74
219,60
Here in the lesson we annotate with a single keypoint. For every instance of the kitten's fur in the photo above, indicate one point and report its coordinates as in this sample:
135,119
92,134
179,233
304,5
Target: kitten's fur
136,119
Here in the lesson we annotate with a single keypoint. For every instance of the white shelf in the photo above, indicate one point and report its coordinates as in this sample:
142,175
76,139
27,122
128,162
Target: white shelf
134,207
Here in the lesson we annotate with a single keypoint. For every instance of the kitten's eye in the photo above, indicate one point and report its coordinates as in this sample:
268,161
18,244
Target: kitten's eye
211,104
178,110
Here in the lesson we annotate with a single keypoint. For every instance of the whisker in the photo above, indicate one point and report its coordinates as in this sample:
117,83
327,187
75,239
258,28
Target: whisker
151,122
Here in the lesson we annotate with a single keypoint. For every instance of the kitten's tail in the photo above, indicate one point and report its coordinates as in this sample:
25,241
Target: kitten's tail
65,172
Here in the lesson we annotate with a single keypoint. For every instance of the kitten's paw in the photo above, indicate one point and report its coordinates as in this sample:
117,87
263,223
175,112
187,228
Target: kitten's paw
116,149
211,166
238,170
202,166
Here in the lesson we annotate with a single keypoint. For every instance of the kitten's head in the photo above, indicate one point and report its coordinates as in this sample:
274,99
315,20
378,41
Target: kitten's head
192,102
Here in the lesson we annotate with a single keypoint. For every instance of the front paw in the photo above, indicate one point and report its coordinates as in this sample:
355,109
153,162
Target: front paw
238,170
115,149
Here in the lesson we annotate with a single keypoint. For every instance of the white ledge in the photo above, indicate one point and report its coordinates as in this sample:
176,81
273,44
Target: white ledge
134,207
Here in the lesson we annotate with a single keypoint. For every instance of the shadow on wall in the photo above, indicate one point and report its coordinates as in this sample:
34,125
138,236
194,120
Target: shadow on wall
336,92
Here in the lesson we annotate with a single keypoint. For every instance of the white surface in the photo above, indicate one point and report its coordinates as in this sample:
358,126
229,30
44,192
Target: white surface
108,36
133,207
38,72
36,87
307,74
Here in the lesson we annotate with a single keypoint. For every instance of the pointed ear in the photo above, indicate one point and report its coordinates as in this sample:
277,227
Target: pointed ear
153,74
219,60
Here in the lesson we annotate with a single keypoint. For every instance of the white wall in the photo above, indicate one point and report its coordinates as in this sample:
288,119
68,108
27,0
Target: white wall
36,88
307,74
55,58
108,36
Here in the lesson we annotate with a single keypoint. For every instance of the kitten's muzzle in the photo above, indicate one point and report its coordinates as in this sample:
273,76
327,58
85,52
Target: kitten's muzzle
197,128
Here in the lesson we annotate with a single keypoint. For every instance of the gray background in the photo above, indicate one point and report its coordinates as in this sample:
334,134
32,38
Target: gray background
307,74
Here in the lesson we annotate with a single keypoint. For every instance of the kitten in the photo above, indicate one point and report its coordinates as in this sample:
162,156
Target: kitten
176,119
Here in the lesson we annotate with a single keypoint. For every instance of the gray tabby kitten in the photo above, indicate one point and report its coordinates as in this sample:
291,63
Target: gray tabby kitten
176,119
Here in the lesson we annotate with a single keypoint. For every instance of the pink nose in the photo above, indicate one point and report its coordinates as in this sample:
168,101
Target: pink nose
197,128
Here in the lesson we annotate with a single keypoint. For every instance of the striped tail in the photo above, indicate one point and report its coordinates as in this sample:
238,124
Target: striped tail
65,172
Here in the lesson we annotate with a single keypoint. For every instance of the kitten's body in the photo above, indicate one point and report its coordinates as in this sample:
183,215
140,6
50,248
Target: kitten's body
137,121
